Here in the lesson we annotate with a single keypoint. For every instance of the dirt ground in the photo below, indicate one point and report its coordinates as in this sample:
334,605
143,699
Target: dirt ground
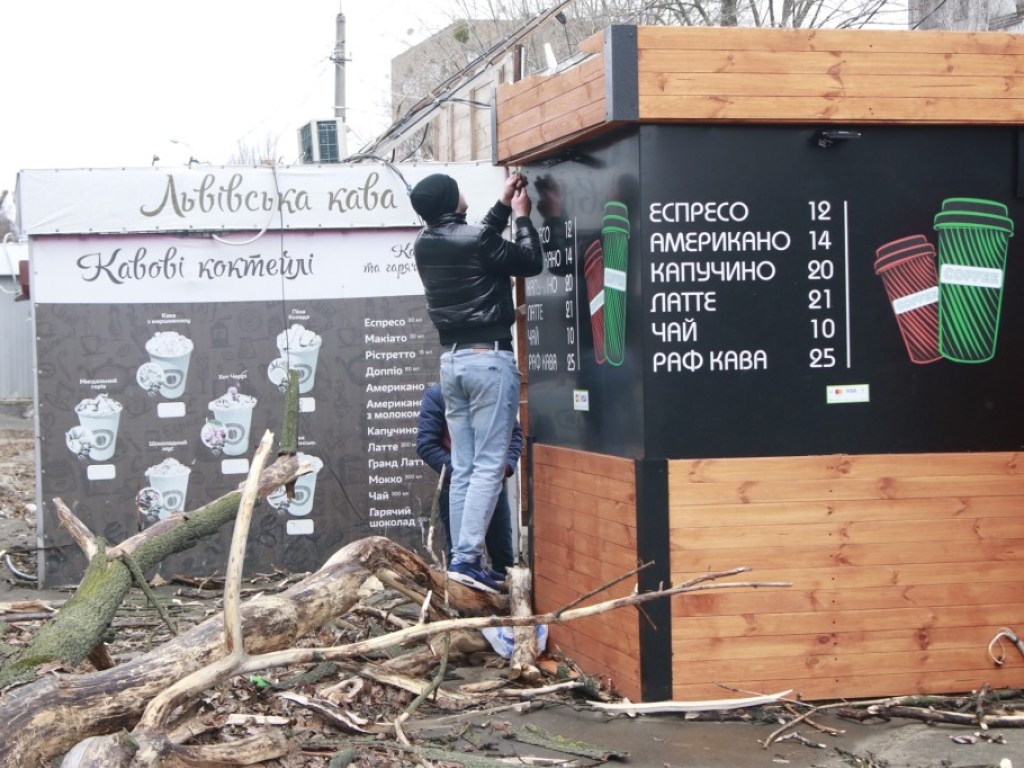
17,498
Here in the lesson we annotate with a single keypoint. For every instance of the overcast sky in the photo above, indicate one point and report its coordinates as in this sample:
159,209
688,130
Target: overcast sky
110,83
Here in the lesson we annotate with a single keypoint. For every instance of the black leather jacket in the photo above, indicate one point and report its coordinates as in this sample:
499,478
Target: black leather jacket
466,271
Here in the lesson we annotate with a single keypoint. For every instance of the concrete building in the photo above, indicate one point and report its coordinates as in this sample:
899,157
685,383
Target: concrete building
967,15
444,87
461,124
16,336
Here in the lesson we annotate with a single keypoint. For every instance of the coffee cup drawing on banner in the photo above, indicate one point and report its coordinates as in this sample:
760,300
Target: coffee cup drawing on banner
298,350
165,493
95,437
300,503
228,431
165,373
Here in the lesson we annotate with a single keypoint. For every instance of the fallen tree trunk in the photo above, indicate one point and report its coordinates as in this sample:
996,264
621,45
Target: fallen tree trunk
249,750
461,643
149,735
46,718
76,632
80,624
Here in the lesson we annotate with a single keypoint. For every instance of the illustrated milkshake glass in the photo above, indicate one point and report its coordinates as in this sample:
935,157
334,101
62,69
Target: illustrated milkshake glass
973,237
233,411
299,349
99,418
170,479
305,486
171,351
908,272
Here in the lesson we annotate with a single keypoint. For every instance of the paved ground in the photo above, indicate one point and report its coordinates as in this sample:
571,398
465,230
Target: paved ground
669,741
674,741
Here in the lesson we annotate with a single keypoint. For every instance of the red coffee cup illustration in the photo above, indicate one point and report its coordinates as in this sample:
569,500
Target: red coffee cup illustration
593,273
973,238
908,272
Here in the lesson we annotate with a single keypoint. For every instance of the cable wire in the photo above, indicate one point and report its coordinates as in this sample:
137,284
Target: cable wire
387,164
422,141
481,63
306,426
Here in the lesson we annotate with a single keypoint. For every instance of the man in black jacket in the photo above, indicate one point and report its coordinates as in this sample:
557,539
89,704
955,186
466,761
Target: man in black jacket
467,273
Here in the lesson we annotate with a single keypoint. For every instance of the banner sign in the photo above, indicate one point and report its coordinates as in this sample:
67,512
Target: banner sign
297,266
220,199
162,357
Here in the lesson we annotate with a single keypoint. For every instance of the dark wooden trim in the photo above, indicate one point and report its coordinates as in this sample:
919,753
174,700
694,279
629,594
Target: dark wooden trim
652,543
621,66
527,520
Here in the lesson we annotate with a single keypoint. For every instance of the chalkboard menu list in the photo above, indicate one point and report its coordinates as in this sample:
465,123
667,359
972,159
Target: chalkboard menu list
552,318
709,260
400,355
709,263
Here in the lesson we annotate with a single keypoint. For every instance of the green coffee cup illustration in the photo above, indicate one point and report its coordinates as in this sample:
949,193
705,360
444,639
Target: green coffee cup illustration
973,236
615,241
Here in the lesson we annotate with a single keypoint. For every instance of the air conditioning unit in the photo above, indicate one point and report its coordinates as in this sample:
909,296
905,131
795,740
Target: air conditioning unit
322,141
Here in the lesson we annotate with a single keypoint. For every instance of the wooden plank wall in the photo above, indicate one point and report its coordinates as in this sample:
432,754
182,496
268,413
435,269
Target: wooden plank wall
539,110
855,76
903,569
585,536
761,75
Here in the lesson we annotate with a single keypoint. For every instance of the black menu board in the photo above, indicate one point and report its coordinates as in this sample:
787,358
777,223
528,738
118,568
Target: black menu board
725,291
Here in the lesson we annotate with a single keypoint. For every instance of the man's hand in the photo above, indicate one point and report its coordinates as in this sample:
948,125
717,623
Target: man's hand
513,182
521,203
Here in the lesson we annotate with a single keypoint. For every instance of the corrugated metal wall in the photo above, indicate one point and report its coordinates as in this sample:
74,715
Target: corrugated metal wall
15,343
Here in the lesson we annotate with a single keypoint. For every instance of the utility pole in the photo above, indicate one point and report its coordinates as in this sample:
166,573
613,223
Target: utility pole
338,57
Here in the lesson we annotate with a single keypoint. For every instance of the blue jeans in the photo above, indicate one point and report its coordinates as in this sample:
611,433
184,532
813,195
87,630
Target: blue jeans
498,540
481,395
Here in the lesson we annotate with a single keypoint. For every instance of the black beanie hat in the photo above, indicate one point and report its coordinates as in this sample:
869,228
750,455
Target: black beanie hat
435,196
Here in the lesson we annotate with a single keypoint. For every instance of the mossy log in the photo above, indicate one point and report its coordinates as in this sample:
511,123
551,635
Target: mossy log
80,624
47,717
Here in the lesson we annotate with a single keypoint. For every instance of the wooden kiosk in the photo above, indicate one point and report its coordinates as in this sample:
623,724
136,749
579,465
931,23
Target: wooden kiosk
781,327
